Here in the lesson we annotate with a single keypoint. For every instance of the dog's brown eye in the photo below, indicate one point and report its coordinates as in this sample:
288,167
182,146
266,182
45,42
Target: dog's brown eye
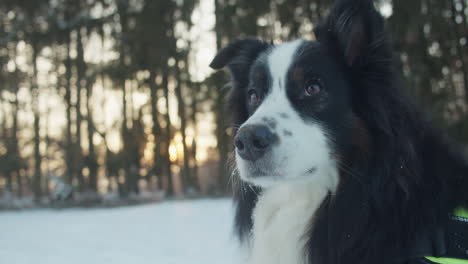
254,99
313,87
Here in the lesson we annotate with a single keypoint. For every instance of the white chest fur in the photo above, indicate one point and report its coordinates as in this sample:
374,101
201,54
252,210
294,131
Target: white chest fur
281,218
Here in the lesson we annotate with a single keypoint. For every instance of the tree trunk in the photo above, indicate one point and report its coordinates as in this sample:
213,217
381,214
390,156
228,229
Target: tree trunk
167,143
19,183
9,181
187,181
69,140
122,7
37,136
156,128
92,157
221,136
14,151
223,142
80,80
47,154
193,117
15,146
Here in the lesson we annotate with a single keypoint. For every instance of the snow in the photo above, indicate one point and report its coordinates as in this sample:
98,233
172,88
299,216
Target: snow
176,232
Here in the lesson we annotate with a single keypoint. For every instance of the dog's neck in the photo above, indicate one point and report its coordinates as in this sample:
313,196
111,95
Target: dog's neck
281,218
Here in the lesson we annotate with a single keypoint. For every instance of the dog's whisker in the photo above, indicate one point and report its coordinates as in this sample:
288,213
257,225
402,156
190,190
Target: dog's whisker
253,189
345,168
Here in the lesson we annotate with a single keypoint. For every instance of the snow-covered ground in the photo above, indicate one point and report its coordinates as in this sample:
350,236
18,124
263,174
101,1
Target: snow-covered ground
179,232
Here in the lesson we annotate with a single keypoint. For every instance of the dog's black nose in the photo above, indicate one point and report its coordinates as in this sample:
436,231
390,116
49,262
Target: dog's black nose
253,141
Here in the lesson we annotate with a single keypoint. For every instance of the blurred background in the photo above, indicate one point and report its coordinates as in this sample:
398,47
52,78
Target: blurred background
112,102
105,103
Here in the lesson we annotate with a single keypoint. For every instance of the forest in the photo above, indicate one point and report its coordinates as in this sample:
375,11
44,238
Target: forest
114,99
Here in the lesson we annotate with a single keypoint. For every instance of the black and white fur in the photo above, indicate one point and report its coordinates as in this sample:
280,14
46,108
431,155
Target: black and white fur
352,173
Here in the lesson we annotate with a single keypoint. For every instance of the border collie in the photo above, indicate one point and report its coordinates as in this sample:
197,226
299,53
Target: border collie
336,164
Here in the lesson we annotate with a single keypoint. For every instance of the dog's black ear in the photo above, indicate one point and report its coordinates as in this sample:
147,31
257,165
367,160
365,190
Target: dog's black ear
238,56
238,52
354,27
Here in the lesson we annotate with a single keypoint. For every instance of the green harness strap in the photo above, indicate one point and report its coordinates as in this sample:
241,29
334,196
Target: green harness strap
447,260
463,213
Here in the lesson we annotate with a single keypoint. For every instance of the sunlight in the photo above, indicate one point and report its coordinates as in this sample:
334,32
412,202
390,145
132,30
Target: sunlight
173,153
203,40
386,8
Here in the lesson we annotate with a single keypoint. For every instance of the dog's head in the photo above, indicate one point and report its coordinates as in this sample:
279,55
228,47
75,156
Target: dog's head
296,102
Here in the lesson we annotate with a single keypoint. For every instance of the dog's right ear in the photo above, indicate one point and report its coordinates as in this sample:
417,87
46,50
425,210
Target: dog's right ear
238,56
357,30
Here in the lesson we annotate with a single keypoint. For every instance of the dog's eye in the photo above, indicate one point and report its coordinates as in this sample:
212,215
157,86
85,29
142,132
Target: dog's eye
254,99
313,87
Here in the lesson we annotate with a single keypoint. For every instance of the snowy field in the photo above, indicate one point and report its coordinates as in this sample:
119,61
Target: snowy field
182,232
